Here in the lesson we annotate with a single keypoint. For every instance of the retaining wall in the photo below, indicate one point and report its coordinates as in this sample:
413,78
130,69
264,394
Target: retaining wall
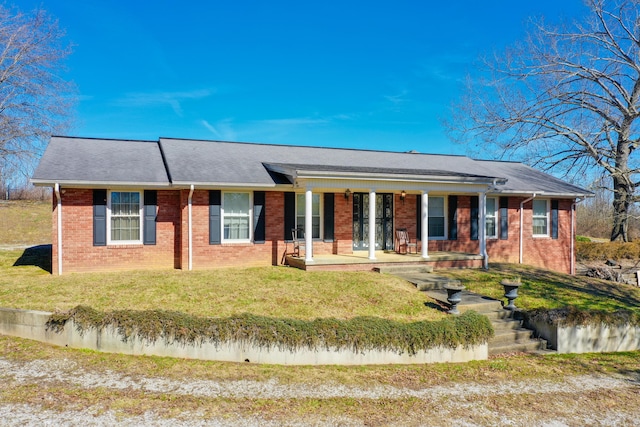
599,338
32,325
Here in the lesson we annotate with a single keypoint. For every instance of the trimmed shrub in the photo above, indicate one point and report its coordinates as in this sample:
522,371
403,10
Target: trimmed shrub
571,316
593,251
357,334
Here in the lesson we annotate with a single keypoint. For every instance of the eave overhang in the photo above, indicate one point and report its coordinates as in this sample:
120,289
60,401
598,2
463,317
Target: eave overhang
302,172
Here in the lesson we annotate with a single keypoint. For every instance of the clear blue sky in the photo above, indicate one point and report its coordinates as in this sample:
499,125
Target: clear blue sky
358,74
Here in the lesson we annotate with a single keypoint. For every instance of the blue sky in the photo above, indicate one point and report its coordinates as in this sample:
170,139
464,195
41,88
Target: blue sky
357,74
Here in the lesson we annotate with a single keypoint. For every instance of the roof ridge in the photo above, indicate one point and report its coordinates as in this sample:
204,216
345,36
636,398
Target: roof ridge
266,144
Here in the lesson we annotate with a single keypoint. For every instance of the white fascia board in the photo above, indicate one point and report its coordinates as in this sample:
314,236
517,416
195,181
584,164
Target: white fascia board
398,177
540,194
98,184
213,185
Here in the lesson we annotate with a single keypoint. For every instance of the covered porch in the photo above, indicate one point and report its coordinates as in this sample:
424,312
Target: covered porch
360,261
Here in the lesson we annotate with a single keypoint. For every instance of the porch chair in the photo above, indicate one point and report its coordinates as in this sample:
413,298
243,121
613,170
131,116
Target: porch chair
297,235
404,243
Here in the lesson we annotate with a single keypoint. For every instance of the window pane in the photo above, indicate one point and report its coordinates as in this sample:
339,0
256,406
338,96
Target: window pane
236,203
236,212
436,206
540,226
491,227
315,213
540,208
491,207
436,227
125,216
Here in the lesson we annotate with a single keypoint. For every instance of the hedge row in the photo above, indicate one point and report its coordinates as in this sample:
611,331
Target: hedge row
357,334
592,251
571,316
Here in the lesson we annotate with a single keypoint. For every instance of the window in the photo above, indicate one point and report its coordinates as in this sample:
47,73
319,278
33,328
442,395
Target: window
236,214
492,218
540,217
315,213
125,217
436,218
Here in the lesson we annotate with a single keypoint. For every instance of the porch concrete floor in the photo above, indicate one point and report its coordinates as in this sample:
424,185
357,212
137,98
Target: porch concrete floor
359,260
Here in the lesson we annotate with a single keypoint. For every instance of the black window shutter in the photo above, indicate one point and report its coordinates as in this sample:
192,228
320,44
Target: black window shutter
328,217
475,211
149,212
453,217
215,199
504,218
289,214
99,217
554,219
259,216
419,216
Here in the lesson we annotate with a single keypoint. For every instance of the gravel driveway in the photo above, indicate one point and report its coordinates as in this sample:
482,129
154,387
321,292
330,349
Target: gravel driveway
463,404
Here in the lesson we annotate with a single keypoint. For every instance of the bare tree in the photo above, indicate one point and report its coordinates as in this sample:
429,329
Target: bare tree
35,101
566,99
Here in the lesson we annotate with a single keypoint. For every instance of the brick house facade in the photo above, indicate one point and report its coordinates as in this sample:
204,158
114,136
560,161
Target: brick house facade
205,204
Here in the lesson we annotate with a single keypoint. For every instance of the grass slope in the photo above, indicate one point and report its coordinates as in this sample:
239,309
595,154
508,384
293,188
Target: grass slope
25,222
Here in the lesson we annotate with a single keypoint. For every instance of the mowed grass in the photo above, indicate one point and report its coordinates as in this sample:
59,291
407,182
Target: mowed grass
270,291
547,289
25,222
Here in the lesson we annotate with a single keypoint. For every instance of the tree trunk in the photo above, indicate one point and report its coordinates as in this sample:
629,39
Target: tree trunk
622,195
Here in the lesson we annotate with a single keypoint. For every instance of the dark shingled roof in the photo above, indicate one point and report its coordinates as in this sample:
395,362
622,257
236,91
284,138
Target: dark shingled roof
86,160
69,160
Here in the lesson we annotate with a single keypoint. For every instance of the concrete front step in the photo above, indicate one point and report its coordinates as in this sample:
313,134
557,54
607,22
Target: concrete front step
531,346
399,269
512,336
470,301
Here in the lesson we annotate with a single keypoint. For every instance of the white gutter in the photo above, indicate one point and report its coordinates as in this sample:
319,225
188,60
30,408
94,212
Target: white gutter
533,196
572,269
56,188
190,228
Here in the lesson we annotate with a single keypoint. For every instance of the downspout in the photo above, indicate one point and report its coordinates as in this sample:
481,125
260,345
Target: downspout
190,249
533,196
56,188
572,268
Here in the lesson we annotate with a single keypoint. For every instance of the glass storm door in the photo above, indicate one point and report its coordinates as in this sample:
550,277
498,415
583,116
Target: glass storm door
384,221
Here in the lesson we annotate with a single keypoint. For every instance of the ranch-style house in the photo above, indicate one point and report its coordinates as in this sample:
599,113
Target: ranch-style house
194,204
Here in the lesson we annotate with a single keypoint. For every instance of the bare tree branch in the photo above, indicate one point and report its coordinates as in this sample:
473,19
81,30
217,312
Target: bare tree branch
566,99
35,101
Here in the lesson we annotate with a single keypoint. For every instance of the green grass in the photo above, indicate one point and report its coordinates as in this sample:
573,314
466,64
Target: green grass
25,222
548,289
265,291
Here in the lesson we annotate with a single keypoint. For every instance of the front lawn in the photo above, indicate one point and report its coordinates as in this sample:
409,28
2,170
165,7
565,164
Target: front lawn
279,292
548,289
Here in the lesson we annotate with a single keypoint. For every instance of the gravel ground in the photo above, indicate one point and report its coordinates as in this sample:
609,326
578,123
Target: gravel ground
451,399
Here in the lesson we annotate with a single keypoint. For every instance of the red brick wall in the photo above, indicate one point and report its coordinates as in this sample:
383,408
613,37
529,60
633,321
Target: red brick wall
544,252
171,249
79,254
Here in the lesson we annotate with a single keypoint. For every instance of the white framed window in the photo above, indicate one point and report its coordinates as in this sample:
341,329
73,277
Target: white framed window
540,210
491,229
437,218
316,219
124,222
236,217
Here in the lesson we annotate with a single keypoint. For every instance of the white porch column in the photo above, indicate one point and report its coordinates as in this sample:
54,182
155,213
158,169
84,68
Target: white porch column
482,228
425,225
308,226
372,224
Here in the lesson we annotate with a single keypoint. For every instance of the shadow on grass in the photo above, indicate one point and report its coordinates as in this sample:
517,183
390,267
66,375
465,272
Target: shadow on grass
38,256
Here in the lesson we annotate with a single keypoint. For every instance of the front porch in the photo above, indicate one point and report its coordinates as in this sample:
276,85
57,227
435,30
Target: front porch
359,261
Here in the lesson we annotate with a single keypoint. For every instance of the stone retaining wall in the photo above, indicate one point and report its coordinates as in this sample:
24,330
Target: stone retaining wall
31,325
599,338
